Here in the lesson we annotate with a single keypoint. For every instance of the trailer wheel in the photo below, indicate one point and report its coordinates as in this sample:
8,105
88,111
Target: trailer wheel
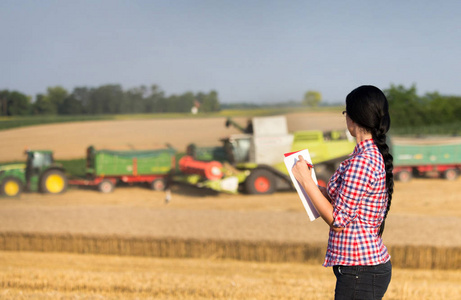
404,176
11,187
53,182
450,174
260,181
158,184
106,186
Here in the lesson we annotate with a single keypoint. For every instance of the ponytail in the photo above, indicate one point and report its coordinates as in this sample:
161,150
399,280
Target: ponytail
380,140
368,107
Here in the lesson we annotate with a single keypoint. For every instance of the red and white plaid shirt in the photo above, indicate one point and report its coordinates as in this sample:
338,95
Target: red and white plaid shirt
359,196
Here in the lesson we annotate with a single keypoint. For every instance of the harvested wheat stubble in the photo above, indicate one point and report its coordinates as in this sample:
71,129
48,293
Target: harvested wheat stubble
424,257
34,275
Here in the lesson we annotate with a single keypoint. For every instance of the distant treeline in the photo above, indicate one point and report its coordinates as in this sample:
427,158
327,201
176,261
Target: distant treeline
106,99
431,113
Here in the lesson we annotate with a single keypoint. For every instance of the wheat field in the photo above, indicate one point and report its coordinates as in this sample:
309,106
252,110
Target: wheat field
31,275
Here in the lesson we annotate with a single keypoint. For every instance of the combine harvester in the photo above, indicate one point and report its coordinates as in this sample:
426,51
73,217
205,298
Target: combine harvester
255,157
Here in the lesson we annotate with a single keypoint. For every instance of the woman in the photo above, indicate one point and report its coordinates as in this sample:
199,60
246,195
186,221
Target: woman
356,202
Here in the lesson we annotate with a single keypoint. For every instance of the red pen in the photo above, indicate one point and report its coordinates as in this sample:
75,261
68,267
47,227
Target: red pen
290,153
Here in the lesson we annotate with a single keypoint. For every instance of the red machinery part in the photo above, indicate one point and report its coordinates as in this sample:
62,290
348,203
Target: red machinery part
211,170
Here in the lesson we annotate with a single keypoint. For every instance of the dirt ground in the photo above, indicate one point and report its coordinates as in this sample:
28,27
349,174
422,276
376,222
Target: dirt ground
424,211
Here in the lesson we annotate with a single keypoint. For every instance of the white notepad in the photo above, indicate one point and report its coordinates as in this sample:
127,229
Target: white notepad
290,161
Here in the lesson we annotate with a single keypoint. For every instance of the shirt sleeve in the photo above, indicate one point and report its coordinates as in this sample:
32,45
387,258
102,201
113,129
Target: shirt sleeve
356,178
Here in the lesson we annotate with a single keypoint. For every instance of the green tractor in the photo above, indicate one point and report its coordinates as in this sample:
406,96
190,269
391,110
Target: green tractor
39,174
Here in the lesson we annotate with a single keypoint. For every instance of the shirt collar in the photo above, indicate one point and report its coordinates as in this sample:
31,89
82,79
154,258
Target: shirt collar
363,145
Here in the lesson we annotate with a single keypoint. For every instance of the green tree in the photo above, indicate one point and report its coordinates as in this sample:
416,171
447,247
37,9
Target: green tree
17,103
186,102
134,100
209,102
71,106
406,108
4,102
154,99
55,96
312,98
439,107
83,95
106,99
172,103
43,106
456,100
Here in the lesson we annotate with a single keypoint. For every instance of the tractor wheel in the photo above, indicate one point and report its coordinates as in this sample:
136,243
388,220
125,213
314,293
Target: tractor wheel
260,181
450,174
404,176
158,184
53,182
11,187
106,186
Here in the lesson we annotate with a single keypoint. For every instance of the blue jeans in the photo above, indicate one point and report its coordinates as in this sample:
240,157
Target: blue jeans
362,282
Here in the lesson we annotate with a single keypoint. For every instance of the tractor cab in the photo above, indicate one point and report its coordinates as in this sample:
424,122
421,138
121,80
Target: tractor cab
43,174
37,161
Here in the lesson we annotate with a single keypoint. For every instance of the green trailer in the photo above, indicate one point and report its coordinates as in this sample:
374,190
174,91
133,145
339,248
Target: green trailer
106,168
439,157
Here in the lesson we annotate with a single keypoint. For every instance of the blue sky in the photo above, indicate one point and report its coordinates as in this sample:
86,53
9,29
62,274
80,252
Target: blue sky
248,51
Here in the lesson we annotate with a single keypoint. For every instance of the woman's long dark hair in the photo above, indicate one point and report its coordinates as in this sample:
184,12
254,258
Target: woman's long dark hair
367,106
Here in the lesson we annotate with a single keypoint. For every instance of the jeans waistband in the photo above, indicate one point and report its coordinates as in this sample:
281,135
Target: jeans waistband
362,268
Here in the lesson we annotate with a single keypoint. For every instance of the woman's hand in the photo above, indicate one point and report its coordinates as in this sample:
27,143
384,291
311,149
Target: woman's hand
301,170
